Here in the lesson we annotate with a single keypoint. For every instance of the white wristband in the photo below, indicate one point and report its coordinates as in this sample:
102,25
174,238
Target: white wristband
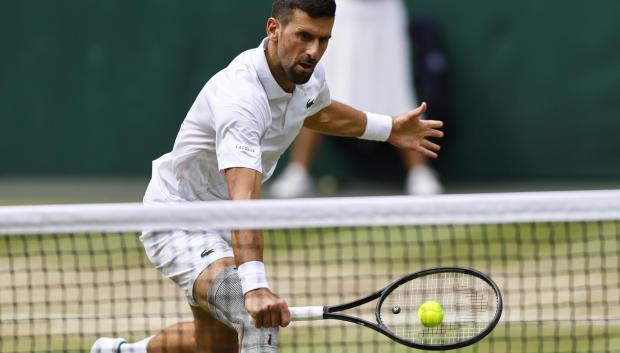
252,275
378,127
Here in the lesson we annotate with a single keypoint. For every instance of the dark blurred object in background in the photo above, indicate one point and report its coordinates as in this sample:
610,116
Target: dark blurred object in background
431,69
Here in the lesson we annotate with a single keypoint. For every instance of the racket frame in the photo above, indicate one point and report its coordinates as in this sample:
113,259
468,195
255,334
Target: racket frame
332,312
391,287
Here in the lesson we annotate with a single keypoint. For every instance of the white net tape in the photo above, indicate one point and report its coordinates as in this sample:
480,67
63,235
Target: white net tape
322,212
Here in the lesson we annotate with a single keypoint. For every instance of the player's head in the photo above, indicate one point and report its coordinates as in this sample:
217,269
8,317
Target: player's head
283,9
301,30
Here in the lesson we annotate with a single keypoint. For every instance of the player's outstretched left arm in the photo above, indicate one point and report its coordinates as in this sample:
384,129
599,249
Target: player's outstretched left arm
406,131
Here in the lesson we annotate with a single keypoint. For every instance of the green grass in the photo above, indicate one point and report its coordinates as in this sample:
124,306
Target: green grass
554,277
534,339
347,338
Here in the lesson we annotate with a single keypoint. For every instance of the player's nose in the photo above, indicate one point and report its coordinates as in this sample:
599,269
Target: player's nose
313,50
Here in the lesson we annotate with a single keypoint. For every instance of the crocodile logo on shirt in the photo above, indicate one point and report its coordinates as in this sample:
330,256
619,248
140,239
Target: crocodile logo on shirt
309,103
207,253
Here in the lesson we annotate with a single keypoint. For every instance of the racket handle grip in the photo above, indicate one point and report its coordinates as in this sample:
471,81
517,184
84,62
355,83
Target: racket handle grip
306,313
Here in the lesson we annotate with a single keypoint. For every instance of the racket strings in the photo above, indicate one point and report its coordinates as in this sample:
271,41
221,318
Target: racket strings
469,305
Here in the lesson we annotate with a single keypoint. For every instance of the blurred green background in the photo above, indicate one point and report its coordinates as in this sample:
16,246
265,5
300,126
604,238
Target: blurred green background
98,89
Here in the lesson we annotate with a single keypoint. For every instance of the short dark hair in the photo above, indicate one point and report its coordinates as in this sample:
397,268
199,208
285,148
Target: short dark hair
282,9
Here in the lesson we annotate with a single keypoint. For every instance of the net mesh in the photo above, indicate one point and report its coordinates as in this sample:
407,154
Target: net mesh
555,258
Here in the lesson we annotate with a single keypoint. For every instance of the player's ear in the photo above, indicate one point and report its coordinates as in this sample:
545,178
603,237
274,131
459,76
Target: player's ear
273,28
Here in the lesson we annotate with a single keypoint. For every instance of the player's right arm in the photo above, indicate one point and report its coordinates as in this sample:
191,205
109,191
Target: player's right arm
266,308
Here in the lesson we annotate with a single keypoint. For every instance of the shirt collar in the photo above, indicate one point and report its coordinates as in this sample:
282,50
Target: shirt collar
271,86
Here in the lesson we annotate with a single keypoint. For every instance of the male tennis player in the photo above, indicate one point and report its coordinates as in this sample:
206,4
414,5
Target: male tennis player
229,143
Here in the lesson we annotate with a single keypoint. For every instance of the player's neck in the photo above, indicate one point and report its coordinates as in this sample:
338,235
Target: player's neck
276,69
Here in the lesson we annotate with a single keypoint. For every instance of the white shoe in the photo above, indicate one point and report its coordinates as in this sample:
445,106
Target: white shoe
107,345
422,180
294,182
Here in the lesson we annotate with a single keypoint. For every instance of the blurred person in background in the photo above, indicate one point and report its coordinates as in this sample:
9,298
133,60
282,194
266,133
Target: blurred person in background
368,66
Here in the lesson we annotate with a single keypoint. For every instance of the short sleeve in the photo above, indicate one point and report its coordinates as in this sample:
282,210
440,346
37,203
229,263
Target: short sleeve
239,129
323,98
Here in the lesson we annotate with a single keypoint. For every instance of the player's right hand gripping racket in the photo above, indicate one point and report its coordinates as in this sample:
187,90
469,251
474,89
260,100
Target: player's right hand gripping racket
471,301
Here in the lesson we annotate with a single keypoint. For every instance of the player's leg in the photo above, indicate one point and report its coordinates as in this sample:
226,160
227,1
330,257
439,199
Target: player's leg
202,264
193,260
421,179
204,335
178,338
218,291
295,180
210,334
183,257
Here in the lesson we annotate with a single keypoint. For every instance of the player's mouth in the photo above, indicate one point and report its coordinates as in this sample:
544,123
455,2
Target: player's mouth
306,66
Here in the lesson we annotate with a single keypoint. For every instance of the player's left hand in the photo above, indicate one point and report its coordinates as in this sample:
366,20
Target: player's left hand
410,132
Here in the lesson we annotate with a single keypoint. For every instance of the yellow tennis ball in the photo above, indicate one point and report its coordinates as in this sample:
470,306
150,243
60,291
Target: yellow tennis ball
430,314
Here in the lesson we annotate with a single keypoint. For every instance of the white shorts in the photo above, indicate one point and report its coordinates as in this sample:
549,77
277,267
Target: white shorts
182,255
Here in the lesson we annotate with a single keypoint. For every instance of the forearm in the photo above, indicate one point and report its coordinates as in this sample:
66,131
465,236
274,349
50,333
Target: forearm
342,120
338,119
247,246
245,184
248,251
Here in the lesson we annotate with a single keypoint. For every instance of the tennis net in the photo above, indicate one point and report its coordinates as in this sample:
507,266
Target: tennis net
72,273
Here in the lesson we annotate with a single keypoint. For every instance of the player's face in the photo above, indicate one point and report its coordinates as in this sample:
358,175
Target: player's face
301,43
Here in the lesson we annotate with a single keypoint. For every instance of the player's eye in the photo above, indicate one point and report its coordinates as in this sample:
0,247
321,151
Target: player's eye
305,36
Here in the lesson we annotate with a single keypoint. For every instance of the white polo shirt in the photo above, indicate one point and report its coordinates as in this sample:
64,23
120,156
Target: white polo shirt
241,118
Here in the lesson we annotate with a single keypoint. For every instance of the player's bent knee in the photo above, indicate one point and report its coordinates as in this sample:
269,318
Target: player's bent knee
226,303
206,278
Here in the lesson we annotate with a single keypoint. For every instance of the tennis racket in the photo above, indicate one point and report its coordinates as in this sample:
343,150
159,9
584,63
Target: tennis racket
471,301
